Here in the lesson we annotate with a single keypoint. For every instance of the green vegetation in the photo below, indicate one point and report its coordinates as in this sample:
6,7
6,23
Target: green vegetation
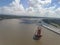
54,22
8,16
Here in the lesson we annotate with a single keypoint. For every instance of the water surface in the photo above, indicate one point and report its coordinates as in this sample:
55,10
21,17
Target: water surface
12,32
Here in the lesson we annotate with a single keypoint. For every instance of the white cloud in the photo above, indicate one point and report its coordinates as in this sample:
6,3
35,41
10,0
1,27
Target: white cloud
44,2
37,5
40,2
14,8
57,11
30,10
36,9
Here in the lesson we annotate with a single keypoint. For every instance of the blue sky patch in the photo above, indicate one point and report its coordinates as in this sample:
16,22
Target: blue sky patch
5,2
26,5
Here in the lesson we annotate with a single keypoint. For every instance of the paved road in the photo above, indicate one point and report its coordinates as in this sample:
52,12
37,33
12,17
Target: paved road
13,32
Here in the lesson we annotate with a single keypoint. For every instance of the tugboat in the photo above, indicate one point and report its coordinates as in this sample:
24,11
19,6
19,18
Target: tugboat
37,34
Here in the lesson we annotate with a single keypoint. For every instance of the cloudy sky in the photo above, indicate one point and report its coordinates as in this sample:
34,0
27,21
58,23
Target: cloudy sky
46,8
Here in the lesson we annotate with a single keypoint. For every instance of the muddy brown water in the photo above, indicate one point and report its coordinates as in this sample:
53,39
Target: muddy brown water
12,32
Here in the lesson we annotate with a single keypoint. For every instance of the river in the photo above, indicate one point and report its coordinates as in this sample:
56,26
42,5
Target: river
14,32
